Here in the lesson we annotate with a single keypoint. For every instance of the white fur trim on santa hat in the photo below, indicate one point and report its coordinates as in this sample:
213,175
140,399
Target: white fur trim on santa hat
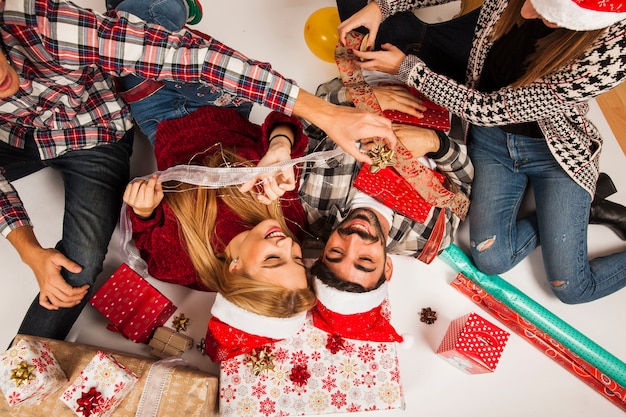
581,14
249,322
346,303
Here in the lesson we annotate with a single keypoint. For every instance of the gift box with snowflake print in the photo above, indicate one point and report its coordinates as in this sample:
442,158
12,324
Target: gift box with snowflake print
29,373
100,387
313,372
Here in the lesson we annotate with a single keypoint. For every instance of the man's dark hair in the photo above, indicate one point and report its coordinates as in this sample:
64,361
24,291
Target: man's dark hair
321,271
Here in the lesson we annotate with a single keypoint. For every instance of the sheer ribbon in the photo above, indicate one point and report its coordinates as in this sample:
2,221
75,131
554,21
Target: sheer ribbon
210,178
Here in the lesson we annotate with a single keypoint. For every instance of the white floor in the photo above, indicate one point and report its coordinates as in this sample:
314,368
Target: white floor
525,383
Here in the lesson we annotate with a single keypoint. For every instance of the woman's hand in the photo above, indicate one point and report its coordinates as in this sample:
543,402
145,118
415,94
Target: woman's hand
387,60
369,17
144,196
418,140
397,97
272,186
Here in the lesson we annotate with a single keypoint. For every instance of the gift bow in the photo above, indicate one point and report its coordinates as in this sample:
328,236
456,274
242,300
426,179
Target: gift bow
22,373
260,360
90,402
180,323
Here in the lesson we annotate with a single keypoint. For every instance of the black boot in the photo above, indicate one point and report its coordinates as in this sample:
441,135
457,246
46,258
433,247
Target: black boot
604,187
609,214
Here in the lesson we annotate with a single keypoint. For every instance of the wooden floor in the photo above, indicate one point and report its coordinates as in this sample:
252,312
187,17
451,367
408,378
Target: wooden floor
613,105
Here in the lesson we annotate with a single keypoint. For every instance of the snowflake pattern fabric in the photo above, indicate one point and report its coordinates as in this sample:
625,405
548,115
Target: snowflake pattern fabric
314,373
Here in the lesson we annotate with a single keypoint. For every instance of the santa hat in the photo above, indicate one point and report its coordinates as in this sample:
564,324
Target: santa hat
581,14
353,315
236,331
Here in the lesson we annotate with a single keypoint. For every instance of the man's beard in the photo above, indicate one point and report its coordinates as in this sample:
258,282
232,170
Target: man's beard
370,218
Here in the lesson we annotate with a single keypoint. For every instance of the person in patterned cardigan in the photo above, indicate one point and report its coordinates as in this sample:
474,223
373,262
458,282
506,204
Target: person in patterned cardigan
533,67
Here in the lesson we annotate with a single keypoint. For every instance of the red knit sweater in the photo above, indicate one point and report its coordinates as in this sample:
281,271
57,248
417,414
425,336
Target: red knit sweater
177,141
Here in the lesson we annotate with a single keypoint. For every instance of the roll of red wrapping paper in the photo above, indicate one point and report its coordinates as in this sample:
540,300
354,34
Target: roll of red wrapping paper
539,316
560,354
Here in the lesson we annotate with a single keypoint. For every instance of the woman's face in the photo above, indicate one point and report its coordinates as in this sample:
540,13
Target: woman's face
267,254
528,12
9,81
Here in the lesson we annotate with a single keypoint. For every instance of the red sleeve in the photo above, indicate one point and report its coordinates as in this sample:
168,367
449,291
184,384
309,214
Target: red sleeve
159,244
301,141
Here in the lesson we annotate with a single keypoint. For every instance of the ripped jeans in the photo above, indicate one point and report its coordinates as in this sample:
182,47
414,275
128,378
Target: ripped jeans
505,164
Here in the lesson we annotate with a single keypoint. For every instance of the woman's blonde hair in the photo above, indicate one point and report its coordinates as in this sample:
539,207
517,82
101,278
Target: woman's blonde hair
553,52
196,211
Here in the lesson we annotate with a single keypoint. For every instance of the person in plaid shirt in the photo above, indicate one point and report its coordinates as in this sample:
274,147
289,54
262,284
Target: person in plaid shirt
58,109
359,231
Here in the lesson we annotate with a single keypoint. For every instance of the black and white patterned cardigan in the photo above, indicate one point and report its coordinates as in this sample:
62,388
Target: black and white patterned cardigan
558,101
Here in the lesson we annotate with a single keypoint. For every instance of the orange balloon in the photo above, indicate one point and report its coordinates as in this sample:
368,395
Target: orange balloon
320,33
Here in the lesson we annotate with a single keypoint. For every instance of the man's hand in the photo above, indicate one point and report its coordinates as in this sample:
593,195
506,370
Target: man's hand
387,60
369,17
143,196
46,264
418,140
345,125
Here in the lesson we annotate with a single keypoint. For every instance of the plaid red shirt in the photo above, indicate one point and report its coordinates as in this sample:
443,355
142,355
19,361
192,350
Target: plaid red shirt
65,56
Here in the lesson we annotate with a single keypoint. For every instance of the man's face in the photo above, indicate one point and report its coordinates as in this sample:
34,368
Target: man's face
355,251
9,81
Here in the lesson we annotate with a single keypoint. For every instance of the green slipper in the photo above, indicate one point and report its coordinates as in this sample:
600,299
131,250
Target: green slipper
195,12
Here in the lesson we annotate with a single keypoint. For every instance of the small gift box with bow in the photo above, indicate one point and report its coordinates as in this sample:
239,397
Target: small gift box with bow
473,344
29,373
167,342
134,307
100,387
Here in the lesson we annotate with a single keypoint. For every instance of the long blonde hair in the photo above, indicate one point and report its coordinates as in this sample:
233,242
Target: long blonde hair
196,211
553,52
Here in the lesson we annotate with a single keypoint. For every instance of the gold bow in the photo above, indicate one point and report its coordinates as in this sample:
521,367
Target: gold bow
180,323
261,360
22,373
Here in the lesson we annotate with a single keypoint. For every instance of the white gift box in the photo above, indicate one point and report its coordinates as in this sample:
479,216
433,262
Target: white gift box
29,373
101,386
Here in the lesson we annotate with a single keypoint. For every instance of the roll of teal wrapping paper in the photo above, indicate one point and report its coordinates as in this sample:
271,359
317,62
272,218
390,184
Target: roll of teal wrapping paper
539,316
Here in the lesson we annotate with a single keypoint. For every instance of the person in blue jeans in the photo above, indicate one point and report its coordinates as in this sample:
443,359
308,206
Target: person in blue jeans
525,108
182,98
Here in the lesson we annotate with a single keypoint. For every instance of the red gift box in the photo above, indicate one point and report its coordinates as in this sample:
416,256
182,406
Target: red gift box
134,307
435,116
394,191
473,344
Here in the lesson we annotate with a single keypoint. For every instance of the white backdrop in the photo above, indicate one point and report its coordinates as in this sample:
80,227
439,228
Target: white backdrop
525,383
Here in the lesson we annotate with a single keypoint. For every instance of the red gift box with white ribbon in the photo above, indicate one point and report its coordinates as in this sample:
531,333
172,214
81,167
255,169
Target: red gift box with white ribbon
473,344
134,307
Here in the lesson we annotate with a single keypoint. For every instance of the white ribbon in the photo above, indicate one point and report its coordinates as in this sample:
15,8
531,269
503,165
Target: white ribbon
155,383
209,178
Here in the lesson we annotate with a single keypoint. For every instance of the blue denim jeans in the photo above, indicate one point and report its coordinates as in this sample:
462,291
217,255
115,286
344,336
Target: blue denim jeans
175,99
505,165
94,181
444,46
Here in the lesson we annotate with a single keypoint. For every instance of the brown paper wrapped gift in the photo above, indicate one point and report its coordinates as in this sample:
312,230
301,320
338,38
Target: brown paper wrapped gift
186,391
167,342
